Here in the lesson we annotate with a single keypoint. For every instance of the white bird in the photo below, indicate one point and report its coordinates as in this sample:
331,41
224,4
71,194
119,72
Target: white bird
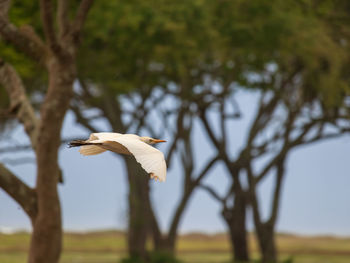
151,159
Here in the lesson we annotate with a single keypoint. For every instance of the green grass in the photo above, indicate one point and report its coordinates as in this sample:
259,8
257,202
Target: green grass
110,246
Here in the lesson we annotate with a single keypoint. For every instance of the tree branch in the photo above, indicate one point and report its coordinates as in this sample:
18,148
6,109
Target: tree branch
81,119
223,121
217,143
319,138
277,194
156,232
20,104
79,21
177,133
21,148
268,167
172,150
178,213
19,191
17,148
262,117
62,17
286,147
252,197
205,170
24,39
18,161
46,11
212,192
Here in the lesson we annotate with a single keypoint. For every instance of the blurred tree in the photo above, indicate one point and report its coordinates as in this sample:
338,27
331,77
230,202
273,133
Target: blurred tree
57,55
147,49
297,55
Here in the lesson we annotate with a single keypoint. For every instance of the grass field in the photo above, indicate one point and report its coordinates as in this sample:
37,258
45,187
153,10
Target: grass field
110,246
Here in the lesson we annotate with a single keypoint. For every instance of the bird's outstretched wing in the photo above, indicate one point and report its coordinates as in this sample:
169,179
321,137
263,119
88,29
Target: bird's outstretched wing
99,143
151,159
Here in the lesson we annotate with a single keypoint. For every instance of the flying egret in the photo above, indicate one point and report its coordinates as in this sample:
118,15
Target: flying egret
151,159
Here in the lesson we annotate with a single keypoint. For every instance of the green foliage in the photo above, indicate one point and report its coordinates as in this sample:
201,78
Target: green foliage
24,13
134,46
159,257
132,259
155,257
129,45
143,43
288,260
297,36
110,247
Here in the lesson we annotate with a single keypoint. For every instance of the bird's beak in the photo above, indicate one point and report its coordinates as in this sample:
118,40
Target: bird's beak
157,141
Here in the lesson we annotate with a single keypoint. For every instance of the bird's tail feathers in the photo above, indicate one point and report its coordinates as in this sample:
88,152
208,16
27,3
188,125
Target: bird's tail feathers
77,143
87,148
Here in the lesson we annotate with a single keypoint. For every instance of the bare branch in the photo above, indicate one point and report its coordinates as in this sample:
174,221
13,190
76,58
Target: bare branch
277,193
172,150
217,143
82,120
156,232
262,117
62,17
321,137
223,121
179,212
19,191
18,161
18,148
79,21
177,134
206,169
290,120
46,10
20,104
212,192
268,167
22,148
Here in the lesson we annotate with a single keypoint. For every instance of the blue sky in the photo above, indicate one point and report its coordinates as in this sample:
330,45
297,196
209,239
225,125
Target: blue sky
315,198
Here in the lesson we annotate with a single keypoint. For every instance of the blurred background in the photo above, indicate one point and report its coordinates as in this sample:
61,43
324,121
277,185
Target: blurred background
253,100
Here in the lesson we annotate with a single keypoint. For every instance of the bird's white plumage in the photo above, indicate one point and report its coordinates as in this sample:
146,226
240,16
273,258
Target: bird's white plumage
151,159
91,150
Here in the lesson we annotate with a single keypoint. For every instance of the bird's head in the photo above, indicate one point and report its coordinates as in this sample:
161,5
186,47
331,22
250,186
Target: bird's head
150,140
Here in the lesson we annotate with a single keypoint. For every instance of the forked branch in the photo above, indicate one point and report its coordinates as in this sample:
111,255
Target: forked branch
47,17
19,103
19,191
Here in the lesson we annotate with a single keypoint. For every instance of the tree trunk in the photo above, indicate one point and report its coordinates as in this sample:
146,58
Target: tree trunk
266,237
139,209
167,243
235,219
46,241
265,231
